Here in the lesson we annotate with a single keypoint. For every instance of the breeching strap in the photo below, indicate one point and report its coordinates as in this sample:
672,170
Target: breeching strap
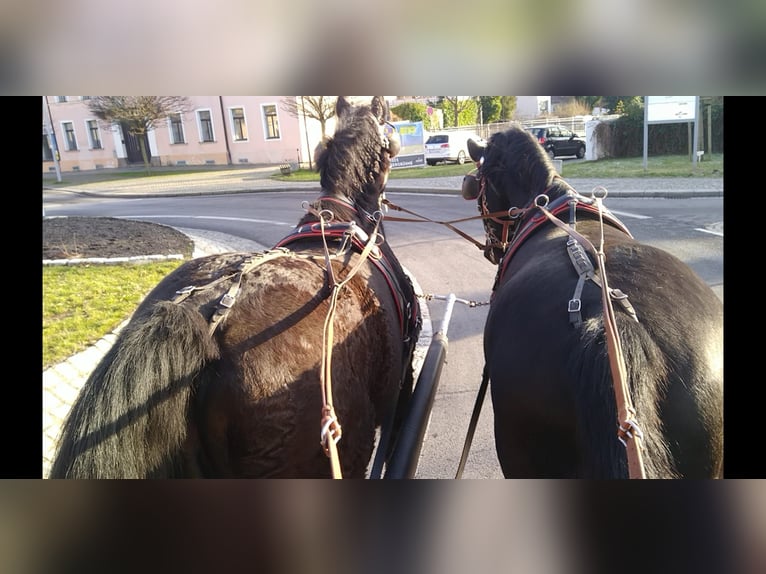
627,427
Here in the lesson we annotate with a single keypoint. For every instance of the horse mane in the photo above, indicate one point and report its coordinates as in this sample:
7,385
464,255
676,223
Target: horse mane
530,176
352,163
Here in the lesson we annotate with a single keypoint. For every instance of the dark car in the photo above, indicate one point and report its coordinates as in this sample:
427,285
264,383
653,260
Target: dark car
558,140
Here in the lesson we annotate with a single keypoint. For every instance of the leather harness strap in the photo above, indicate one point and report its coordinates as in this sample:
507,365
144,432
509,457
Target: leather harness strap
627,427
226,302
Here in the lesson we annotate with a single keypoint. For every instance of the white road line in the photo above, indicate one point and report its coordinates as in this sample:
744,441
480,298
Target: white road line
710,231
220,218
628,214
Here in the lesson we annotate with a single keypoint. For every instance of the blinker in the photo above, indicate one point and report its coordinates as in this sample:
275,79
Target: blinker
392,140
471,186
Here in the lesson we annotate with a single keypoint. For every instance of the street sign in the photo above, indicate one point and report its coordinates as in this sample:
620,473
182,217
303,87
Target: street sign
669,109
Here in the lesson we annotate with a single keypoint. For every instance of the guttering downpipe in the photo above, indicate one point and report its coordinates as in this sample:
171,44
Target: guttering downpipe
225,131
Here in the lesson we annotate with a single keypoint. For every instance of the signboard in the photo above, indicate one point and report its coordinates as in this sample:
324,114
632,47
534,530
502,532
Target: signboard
412,153
670,109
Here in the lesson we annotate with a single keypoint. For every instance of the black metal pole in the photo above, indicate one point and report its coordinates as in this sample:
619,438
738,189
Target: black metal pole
404,459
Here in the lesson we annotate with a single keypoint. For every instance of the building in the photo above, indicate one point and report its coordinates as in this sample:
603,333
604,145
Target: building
530,107
219,130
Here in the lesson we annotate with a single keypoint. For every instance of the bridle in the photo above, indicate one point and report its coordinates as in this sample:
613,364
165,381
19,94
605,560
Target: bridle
509,222
475,185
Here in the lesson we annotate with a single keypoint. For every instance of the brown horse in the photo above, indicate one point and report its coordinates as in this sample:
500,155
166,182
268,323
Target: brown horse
255,364
546,343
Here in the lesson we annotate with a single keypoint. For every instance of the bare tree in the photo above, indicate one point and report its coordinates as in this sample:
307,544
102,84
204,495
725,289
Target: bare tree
138,114
320,108
458,105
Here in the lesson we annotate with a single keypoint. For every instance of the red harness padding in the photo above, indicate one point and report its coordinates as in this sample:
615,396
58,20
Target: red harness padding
556,207
337,233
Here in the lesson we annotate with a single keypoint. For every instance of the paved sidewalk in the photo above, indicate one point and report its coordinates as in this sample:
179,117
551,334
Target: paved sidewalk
62,382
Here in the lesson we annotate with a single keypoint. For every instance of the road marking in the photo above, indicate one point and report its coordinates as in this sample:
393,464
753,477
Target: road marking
628,214
710,231
220,218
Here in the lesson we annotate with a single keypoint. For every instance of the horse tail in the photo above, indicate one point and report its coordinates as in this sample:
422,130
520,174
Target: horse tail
130,419
646,374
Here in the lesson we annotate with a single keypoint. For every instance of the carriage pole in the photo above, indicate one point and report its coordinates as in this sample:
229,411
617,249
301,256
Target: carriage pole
404,459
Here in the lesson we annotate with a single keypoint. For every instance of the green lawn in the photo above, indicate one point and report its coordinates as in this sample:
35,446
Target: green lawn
81,303
659,166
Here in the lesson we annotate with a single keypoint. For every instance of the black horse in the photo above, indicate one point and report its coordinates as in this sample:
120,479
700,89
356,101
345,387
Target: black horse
274,364
546,342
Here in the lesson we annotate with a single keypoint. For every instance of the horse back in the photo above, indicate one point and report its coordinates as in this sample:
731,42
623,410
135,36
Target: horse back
551,378
259,406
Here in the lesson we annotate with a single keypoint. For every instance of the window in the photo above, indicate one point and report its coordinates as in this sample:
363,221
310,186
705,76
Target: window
85,97
71,140
60,99
94,137
271,122
47,151
239,127
176,129
205,126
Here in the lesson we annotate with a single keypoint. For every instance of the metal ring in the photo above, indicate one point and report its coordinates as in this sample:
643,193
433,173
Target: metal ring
326,215
542,200
596,190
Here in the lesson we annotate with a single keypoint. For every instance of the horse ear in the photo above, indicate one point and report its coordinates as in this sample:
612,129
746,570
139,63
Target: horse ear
379,108
476,149
342,106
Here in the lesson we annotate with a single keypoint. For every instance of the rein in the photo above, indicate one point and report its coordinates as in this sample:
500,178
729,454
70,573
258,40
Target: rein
449,224
626,413
331,429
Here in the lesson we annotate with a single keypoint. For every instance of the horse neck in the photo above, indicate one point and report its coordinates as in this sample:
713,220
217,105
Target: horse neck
360,208
557,188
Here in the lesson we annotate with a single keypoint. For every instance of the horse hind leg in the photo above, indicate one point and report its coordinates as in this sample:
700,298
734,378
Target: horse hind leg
130,420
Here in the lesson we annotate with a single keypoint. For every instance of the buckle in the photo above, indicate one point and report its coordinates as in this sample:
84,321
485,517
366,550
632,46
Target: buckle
226,301
574,305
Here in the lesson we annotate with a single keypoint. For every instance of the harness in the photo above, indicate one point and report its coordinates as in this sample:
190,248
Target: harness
570,203
345,233
348,234
522,229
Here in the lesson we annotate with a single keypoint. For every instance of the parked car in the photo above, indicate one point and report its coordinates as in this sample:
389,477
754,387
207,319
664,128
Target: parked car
448,147
558,140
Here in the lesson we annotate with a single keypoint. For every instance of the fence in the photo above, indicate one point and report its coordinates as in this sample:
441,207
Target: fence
574,123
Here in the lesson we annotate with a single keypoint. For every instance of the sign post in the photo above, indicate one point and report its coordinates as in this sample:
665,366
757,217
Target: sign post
671,109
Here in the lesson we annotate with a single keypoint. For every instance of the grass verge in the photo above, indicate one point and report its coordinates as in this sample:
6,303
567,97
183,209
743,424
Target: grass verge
81,303
657,166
